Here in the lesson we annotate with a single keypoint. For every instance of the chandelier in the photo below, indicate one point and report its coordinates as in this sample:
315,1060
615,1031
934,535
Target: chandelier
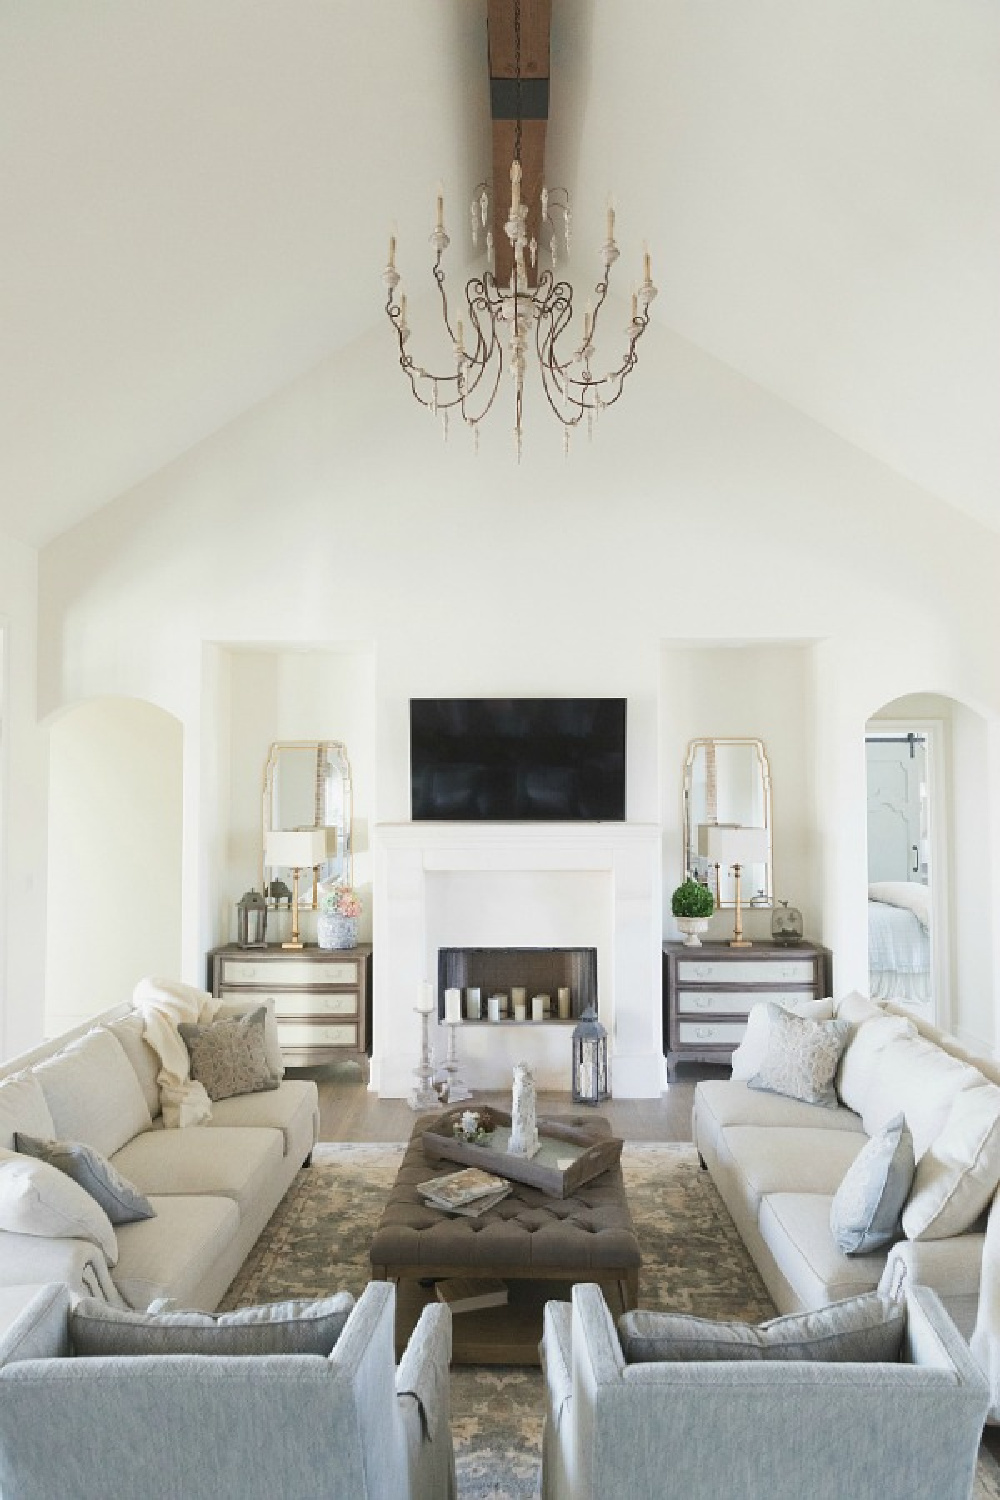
501,317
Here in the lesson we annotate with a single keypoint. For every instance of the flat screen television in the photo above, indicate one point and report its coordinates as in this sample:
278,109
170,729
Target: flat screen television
517,759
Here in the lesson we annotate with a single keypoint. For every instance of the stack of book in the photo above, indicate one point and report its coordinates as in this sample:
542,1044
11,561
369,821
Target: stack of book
469,1192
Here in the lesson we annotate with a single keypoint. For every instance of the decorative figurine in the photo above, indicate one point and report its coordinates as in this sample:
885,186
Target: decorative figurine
523,1127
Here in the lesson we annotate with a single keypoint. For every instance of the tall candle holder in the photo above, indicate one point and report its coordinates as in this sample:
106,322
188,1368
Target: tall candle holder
424,1095
454,1088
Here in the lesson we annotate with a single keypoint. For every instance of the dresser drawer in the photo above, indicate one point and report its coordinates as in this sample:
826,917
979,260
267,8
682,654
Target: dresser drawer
705,1033
304,972
731,1002
316,1034
300,1002
748,971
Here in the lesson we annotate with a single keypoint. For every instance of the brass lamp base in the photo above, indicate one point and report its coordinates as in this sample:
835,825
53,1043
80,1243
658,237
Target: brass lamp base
294,941
738,940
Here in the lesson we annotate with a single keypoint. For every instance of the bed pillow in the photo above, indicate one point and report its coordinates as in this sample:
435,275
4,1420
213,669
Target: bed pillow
866,1208
229,1057
121,1200
36,1199
295,1327
749,1054
861,1329
959,1172
801,1058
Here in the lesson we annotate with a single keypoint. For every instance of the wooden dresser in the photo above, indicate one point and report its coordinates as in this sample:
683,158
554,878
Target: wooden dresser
708,992
322,997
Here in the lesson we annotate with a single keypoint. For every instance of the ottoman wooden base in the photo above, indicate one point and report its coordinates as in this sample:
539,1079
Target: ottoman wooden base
537,1244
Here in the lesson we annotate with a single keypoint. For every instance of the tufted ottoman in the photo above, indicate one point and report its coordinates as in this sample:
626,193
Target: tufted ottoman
539,1245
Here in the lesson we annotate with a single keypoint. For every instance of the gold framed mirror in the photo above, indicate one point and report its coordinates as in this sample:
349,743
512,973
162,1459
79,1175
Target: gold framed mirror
727,782
307,784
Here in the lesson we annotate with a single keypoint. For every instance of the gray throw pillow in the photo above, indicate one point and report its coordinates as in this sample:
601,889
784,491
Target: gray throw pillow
121,1200
867,1207
865,1329
229,1057
296,1327
801,1058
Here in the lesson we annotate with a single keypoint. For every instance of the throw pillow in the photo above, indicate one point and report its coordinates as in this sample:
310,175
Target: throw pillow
272,1045
121,1200
229,1057
866,1329
296,1327
36,1199
866,1208
23,1107
749,1055
958,1173
857,1077
801,1058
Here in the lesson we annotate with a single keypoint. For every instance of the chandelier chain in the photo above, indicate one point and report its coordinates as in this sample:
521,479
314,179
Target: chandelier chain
517,75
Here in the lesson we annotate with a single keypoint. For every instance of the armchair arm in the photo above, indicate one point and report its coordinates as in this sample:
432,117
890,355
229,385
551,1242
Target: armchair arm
423,1393
40,1329
953,1267
985,1340
365,1356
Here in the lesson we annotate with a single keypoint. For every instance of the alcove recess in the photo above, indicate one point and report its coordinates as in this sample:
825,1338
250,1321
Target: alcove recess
538,971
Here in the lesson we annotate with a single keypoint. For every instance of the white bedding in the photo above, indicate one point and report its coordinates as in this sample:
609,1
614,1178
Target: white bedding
905,894
899,950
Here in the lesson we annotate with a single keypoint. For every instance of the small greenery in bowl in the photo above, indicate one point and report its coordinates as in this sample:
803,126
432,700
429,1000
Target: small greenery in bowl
692,899
475,1126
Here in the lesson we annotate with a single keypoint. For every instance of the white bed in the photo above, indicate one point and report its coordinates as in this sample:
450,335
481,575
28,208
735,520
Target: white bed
899,944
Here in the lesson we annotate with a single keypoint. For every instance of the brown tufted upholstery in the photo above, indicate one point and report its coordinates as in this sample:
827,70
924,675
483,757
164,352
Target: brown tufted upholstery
528,1233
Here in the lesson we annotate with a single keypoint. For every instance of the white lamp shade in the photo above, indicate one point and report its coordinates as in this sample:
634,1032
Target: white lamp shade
729,844
299,848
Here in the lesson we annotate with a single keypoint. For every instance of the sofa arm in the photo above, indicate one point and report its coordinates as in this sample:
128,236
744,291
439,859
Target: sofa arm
423,1392
35,1258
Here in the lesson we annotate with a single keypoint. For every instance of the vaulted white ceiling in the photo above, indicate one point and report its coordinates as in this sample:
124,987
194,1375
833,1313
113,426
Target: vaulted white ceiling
195,198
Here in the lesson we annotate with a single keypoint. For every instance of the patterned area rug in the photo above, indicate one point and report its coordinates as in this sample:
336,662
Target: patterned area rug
693,1261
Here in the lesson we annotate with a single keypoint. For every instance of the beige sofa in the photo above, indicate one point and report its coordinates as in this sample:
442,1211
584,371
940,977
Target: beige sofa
213,1186
778,1163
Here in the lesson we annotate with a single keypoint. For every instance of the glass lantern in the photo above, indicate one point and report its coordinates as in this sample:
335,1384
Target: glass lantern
590,1059
251,920
786,924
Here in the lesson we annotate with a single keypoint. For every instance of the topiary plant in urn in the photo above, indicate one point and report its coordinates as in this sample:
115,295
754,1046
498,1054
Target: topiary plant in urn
692,904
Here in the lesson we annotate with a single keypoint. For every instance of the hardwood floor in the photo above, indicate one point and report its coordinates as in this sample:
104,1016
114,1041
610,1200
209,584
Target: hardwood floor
348,1112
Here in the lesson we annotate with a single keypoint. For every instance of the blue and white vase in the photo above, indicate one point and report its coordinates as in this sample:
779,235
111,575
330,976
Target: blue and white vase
335,931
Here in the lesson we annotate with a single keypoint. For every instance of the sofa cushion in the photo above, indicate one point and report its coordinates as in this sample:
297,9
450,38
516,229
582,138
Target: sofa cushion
795,1228
231,1163
129,1031
228,1057
23,1107
292,1109
866,1208
724,1103
121,1200
864,1329
36,1199
93,1093
801,1057
294,1327
771,1158
171,1255
958,1173
750,1054
856,1074
915,1077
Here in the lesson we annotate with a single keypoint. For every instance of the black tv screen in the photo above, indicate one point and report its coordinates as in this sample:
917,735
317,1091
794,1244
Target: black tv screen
517,759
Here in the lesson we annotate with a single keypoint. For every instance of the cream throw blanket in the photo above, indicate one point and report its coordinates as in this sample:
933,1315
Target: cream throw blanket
163,1005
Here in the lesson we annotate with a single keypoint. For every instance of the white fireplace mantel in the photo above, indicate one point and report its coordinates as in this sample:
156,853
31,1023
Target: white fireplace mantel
519,884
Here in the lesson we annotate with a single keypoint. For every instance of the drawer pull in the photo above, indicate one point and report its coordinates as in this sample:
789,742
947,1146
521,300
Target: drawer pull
702,1002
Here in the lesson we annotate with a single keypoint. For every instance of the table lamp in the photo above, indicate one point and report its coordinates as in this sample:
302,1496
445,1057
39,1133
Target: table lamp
298,849
734,847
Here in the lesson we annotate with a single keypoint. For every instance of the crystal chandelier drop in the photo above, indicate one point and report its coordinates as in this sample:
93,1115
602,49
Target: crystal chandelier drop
498,321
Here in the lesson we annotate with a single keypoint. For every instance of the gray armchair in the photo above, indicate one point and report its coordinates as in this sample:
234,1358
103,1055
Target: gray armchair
349,1426
758,1430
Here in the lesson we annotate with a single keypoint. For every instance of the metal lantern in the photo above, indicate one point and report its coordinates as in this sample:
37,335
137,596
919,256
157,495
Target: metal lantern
251,917
590,1059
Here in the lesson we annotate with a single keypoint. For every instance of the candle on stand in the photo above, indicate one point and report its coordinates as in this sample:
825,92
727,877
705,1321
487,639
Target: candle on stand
425,997
563,1002
452,1007
473,1003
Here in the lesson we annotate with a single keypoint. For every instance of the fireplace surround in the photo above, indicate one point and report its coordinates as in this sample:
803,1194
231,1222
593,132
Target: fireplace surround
440,886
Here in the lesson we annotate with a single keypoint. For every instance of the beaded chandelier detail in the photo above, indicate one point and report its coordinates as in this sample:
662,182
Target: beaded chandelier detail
498,322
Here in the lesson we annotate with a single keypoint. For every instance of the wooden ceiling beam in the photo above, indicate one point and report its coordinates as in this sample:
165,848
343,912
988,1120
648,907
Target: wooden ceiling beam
536,19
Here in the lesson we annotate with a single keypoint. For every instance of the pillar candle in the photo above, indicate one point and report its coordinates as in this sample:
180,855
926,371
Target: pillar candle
520,1007
473,1003
425,997
494,1005
518,993
538,1007
452,1006
563,1000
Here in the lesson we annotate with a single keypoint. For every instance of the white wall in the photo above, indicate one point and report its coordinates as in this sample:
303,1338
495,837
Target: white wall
705,511
114,865
23,791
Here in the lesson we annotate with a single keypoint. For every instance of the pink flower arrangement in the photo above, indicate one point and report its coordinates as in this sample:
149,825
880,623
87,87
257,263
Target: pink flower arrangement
341,901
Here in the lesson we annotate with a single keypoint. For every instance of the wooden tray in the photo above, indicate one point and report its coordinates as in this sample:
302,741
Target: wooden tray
569,1155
